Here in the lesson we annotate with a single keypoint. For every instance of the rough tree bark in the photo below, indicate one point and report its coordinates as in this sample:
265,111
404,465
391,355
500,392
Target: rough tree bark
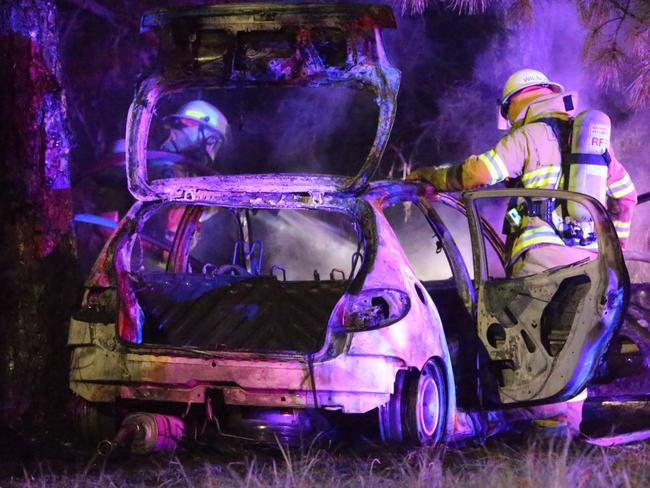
39,281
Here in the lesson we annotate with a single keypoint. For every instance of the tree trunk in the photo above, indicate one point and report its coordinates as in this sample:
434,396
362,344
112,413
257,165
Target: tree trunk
39,278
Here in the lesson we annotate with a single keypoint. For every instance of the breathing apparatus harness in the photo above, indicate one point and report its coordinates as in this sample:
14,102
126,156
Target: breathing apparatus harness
583,142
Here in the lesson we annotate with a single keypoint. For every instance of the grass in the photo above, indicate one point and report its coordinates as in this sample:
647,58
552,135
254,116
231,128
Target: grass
543,463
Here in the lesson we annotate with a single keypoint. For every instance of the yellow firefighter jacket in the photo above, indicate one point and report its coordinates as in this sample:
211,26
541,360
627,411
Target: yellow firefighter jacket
530,151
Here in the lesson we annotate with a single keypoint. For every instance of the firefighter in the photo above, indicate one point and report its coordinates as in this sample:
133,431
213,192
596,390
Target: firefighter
537,111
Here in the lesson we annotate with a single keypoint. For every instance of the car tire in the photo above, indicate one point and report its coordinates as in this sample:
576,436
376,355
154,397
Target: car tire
416,412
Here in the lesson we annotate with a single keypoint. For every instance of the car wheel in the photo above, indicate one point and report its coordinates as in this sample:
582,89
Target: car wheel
417,409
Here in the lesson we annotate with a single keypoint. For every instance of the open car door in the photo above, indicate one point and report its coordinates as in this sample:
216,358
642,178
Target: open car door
545,334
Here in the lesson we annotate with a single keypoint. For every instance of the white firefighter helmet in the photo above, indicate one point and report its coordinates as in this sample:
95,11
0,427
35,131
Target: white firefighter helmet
525,78
206,114
199,128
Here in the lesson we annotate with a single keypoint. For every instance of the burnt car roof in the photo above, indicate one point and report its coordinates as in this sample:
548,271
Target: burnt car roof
235,45
267,16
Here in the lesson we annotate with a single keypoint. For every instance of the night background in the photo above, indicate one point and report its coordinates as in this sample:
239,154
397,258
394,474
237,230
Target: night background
68,74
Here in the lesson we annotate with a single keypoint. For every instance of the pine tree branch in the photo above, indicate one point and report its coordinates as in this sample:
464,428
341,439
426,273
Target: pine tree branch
627,11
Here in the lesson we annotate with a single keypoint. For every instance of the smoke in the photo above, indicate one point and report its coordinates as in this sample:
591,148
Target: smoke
304,242
420,244
453,68
326,130
552,43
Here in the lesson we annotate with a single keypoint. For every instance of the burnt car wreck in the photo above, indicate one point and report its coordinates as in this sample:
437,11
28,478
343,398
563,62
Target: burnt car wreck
268,305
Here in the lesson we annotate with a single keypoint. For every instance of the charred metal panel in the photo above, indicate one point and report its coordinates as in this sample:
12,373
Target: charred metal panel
408,337
227,46
270,189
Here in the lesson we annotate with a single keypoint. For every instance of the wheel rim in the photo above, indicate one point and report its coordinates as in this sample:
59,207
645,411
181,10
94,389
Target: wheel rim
428,407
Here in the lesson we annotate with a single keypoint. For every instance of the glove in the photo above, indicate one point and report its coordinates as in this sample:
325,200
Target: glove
437,176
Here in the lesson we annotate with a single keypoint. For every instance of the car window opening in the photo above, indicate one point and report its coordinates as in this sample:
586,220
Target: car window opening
268,130
222,278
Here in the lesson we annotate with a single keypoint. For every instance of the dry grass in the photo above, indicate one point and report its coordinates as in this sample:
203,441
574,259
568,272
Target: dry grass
540,463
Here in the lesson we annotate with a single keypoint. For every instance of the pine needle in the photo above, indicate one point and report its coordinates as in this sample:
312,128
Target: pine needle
638,91
470,7
609,63
638,40
521,11
595,12
414,7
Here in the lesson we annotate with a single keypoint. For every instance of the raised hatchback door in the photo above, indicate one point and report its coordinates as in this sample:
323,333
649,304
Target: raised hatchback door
270,73
545,333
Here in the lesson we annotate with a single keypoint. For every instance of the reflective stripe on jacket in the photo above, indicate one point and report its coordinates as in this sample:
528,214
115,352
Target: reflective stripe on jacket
621,198
531,237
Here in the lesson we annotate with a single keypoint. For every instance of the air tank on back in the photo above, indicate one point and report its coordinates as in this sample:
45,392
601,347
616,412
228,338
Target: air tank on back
588,168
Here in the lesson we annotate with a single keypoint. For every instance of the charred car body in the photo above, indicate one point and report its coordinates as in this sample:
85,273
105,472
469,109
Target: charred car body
271,304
